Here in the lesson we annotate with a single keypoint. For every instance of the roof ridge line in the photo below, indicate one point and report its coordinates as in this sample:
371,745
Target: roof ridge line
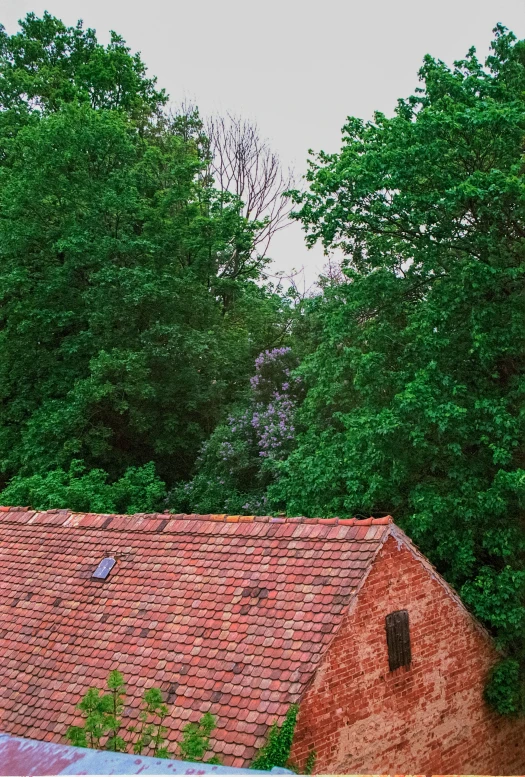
94,519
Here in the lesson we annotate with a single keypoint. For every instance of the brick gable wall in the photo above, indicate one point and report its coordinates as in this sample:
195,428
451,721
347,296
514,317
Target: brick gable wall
429,719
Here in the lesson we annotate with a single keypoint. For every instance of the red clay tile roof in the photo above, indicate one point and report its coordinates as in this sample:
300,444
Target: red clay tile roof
226,613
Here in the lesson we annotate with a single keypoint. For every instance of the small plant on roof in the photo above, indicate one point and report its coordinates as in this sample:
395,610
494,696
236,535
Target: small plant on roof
117,689
103,716
94,728
151,731
102,712
196,740
276,750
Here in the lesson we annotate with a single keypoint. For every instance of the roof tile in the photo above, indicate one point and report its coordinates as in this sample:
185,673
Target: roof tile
237,610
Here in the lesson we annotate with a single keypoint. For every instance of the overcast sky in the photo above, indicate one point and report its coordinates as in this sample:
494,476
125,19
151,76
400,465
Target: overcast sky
297,68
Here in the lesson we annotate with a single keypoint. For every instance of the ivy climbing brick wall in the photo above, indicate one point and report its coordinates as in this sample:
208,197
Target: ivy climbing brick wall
428,719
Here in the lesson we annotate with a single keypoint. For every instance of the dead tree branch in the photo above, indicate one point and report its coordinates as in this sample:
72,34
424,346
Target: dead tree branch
243,164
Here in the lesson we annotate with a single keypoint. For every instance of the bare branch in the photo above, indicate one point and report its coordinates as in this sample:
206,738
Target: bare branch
299,287
332,274
243,164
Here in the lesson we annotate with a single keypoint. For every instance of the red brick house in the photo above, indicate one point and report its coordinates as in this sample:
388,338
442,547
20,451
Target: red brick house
243,616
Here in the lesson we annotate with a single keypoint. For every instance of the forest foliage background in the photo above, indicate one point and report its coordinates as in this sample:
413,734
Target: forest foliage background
147,363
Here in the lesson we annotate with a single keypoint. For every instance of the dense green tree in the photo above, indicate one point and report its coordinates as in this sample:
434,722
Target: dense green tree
47,65
139,490
415,402
123,332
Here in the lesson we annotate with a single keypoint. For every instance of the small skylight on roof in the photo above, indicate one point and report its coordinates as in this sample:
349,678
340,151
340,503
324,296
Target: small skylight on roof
103,569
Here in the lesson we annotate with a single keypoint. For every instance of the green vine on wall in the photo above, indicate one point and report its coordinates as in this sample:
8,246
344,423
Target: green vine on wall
276,750
310,762
505,688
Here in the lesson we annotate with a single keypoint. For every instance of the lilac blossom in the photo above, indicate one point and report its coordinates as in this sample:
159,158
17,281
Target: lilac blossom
237,462
274,402
272,373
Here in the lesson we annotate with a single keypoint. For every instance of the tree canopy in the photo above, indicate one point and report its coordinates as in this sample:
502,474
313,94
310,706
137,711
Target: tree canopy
145,361
123,332
48,65
415,401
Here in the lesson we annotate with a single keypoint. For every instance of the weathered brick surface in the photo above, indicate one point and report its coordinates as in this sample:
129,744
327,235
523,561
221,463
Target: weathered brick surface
428,719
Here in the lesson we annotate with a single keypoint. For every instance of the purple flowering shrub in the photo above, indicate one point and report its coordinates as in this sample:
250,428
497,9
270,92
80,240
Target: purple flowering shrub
275,393
238,462
273,375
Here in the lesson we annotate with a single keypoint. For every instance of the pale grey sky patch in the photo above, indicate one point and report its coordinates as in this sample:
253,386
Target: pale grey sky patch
297,68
